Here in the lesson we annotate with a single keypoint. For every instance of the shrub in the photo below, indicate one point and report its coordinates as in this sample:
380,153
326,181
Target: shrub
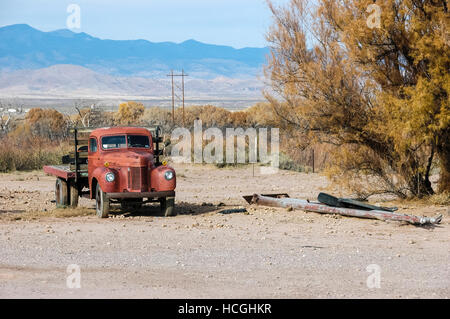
29,155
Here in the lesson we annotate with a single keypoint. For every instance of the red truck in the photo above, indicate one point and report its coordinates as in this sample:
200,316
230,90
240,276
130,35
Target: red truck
115,165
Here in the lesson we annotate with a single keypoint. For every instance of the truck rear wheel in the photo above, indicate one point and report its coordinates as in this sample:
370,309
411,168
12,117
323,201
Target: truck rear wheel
73,188
168,206
61,193
101,203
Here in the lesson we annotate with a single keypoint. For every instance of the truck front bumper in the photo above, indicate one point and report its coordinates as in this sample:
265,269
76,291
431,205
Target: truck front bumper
141,195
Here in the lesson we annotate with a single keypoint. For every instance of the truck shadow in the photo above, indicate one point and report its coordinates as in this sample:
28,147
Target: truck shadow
181,208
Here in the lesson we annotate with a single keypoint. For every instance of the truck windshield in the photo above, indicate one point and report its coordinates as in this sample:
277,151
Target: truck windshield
138,141
120,141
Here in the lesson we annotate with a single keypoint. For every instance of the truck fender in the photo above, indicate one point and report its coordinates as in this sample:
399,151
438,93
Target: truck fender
159,183
99,175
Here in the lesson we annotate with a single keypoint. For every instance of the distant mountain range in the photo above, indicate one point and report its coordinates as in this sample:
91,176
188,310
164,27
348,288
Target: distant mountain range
72,81
23,48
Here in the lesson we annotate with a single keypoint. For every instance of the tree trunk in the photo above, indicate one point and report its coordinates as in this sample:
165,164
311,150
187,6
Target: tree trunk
420,186
443,152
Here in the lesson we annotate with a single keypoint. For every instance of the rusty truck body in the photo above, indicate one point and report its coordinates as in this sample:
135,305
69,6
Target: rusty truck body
115,165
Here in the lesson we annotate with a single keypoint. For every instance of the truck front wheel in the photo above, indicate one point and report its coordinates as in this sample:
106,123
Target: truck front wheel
168,206
101,203
61,193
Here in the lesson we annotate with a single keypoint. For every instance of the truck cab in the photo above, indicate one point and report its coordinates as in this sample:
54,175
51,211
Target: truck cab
122,166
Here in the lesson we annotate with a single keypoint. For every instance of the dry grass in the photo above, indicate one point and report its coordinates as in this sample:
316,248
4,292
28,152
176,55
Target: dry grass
439,199
31,154
55,213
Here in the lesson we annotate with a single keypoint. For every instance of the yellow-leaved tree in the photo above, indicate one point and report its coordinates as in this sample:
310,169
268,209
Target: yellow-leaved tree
371,78
129,113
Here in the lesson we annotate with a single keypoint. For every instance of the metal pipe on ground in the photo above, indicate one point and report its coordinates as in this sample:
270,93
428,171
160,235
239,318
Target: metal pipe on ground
324,209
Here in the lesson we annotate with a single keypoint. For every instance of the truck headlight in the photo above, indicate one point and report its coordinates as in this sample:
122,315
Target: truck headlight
168,175
110,177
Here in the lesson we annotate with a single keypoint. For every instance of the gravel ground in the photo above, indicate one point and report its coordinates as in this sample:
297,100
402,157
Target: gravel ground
201,253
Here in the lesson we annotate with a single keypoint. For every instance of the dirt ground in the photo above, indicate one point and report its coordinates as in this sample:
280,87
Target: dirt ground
203,253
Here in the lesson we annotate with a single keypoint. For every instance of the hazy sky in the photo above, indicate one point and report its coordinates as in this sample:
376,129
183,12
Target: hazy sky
238,23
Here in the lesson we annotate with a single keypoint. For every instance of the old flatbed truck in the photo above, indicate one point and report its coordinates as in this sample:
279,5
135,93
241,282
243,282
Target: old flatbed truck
115,165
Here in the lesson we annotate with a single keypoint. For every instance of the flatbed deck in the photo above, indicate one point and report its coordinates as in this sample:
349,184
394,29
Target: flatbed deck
63,171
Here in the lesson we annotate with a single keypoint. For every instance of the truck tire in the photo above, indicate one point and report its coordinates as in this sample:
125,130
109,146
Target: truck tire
101,203
61,193
73,189
168,206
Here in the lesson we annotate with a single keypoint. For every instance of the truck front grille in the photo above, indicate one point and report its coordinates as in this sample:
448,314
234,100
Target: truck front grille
137,178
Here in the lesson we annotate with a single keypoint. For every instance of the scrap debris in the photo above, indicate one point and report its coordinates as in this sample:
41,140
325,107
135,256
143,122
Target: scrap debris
250,197
331,205
350,203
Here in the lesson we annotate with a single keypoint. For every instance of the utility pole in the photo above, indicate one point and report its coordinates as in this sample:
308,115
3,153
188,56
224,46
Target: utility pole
182,85
182,75
173,100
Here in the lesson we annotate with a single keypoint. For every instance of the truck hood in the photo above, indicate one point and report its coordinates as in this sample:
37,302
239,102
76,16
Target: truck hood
128,158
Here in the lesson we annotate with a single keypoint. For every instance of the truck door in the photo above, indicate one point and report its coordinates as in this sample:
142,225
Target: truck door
93,156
